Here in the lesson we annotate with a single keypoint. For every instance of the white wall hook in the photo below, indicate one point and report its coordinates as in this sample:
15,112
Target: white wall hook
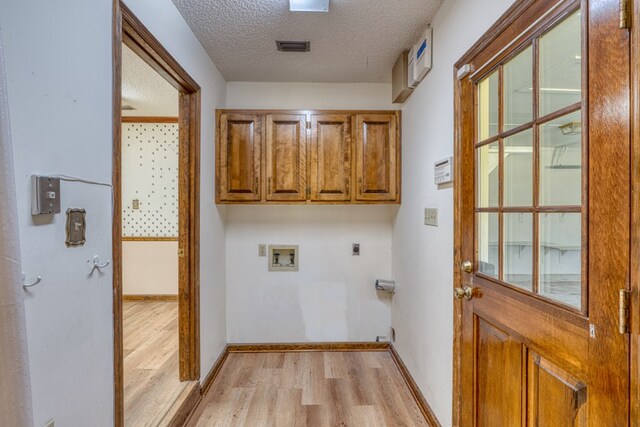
28,285
97,264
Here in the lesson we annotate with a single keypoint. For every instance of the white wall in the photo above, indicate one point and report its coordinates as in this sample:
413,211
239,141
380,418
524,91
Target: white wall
332,297
340,96
60,105
60,102
150,267
422,311
165,22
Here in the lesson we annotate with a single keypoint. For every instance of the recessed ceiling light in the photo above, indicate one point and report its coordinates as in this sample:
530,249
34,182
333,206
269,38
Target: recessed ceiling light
309,5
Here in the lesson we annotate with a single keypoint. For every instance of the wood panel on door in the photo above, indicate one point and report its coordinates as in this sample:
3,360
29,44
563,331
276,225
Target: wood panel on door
330,158
286,157
240,150
376,157
542,203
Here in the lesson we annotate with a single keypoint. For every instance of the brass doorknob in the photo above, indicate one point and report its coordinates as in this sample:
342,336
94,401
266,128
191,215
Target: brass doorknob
465,292
466,266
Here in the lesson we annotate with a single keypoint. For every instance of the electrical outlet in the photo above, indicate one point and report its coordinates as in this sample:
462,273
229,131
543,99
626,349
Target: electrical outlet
355,249
431,217
262,250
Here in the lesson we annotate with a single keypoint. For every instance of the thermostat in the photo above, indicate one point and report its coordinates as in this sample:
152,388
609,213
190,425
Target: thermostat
443,171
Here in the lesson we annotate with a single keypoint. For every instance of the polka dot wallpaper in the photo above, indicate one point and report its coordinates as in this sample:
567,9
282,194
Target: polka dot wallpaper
150,179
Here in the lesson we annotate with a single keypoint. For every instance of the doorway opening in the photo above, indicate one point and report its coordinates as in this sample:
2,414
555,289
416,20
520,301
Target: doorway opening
156,131
150,218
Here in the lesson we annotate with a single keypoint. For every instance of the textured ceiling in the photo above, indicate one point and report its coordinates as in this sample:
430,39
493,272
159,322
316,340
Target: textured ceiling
358,41
144,89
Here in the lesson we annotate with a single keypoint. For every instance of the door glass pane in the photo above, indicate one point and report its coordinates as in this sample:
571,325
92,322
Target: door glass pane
561,257
560,65
488,107
561,161
518,249
518,169
488,237
518,90
488,173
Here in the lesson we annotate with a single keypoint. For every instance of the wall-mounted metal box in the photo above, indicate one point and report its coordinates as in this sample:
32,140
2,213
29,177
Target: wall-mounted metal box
400,89
45,195
283,257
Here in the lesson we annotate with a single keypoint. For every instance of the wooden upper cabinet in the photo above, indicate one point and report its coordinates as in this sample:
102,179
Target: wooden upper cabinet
377,157
308,156
240,151
286,157
330,158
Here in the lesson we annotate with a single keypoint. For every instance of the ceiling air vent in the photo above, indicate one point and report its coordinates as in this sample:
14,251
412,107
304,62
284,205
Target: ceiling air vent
292,46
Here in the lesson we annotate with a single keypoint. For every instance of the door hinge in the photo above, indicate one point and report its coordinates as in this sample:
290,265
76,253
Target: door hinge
180,253
623,311
625,14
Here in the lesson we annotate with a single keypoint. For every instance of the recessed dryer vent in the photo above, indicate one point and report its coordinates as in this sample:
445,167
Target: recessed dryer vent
283,258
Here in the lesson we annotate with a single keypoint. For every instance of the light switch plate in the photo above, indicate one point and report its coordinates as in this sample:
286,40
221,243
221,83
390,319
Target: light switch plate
431,217
76,227
262,250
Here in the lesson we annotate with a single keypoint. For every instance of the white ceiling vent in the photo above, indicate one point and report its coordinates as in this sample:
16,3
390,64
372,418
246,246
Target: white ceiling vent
293,46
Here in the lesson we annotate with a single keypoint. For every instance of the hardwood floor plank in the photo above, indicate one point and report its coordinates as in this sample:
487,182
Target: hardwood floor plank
152,387
314,389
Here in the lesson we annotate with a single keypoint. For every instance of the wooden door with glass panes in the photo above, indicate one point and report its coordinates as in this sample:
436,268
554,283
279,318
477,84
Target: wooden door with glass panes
542,216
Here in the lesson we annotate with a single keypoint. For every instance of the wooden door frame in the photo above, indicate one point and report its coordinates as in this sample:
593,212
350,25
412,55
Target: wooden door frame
635,213
129,30
602,308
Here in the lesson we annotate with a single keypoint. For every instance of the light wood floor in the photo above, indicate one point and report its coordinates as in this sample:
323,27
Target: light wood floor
361,389
151,376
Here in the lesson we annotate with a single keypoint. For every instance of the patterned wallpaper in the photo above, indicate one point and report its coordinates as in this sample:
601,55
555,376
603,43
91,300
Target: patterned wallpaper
150,177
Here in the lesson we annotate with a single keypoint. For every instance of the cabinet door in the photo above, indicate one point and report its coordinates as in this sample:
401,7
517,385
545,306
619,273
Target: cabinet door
330,158
376,157
286,157
240,157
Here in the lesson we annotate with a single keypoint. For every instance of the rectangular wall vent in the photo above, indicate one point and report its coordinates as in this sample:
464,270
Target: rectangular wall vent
293,46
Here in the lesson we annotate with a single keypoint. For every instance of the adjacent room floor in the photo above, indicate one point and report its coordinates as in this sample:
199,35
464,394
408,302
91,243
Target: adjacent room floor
151,377
308,389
